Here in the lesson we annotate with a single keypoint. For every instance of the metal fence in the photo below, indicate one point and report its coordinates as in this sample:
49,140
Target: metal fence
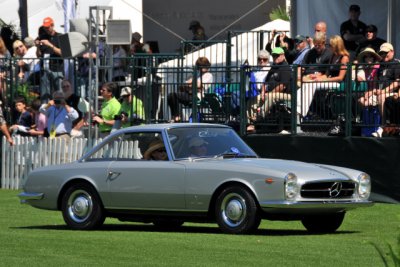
307,106
230,98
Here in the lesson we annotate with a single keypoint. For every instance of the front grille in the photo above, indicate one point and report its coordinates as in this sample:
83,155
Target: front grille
333,189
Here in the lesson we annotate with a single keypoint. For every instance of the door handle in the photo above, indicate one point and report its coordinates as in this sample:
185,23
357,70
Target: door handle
113,175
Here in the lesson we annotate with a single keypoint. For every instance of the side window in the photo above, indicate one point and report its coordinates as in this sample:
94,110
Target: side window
128,146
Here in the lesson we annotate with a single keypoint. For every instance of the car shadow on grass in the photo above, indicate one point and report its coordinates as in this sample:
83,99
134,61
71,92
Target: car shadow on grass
183,229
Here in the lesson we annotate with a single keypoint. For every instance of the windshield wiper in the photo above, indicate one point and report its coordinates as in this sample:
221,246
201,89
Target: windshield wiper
230,155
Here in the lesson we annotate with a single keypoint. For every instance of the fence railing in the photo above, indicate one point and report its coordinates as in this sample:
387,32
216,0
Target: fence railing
29,153
231,99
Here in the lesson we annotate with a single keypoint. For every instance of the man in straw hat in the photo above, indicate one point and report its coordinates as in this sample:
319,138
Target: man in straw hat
156,151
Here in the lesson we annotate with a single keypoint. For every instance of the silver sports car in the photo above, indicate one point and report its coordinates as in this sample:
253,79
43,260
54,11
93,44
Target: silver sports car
168,174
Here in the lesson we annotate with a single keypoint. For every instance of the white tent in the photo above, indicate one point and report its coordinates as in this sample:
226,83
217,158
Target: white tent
245,47
39,9
278,24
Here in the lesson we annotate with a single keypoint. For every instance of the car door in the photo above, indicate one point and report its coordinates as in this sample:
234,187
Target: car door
138,181
142,184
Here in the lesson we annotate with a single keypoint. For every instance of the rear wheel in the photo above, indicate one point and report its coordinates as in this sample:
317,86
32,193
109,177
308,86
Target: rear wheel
81,207
236,211
323,223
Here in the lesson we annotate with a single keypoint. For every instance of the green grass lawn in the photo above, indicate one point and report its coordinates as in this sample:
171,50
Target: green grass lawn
34,237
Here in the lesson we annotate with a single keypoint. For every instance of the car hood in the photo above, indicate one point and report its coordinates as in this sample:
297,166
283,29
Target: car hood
277,167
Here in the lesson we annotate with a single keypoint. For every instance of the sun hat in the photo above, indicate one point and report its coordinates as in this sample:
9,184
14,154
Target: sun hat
366,51
154,145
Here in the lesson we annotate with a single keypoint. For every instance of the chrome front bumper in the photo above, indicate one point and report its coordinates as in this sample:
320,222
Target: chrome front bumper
25,196
303,205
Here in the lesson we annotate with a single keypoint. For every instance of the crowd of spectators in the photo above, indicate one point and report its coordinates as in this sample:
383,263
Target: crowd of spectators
47,104
324,65
54,108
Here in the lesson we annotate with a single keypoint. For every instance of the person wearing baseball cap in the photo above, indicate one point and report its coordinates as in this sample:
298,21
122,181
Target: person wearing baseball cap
301,48
386,48
49,48
277,82
388,77
132,110
52,45
353,31
371,39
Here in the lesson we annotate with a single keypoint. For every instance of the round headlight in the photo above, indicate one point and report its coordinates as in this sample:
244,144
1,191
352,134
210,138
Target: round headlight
291,186
364,185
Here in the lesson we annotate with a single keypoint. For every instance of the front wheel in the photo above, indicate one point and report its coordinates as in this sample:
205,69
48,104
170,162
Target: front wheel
323,223
236,211
81,207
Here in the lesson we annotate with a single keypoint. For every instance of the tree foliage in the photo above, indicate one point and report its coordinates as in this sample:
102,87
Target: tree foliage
279,13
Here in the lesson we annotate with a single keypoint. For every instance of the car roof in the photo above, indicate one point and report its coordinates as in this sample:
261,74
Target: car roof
163,126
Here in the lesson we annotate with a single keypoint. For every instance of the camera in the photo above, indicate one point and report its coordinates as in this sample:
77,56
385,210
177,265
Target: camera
58,101
119,117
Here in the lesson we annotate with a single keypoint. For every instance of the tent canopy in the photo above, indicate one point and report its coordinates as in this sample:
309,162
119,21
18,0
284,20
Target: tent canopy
39,9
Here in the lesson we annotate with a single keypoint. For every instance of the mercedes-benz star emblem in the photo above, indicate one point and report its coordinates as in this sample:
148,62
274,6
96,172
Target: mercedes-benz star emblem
335,189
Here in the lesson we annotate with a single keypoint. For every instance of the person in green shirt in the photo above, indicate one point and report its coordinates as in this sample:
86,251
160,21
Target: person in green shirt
109,108
132,110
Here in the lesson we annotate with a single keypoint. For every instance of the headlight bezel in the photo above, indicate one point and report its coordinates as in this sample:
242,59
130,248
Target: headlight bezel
364,186
292,188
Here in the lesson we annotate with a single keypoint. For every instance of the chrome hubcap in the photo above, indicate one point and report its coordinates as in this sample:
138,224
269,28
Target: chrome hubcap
80,206
233,209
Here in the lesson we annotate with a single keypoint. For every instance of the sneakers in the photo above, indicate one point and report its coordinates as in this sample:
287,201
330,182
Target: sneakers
378,132
284,132
335,130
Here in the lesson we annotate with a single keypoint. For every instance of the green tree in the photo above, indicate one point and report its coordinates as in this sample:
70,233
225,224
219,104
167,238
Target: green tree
279,13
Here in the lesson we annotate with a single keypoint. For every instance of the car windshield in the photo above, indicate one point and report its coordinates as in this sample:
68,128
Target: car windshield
207,142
